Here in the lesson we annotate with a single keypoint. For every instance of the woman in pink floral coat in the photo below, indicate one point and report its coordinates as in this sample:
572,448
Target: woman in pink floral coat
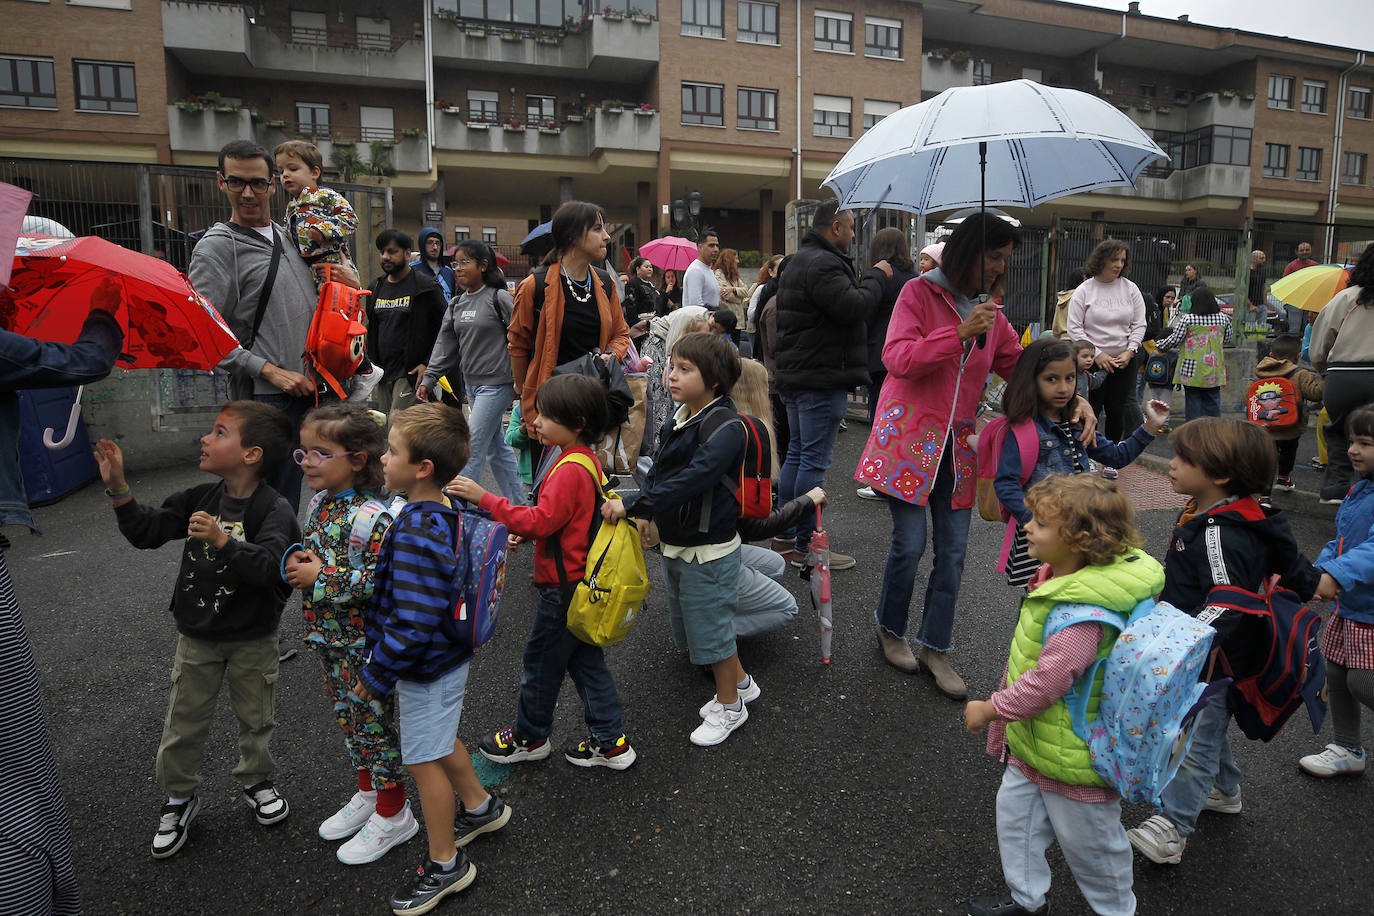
940,346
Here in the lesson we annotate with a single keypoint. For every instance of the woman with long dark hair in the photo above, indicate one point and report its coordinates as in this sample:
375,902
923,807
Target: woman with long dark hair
1342,349
1108,311
640,295
580,310
473,338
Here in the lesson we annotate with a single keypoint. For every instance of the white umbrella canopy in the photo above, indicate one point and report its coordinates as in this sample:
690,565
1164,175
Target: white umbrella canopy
1041,143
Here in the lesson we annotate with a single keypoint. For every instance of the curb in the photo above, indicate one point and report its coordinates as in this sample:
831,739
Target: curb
1298,502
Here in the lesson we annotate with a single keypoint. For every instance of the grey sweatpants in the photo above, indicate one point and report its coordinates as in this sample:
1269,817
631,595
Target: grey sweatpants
1347,689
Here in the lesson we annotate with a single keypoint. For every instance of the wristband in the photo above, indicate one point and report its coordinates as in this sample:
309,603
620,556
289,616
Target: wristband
116,494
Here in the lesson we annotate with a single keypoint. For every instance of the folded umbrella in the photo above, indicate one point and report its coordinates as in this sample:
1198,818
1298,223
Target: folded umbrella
817,570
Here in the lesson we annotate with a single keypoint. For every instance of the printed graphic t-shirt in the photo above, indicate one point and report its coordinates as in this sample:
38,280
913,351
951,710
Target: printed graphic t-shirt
391,312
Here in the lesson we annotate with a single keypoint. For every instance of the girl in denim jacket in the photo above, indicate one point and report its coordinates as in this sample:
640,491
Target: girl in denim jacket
1039,398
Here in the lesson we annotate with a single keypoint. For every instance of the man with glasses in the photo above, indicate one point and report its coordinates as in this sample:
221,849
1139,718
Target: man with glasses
249,268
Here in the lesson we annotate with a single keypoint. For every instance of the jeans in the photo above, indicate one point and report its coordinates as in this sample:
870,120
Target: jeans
908,543
1090,836
550,652
489,404
1201,402
813,420
1209,763
764,604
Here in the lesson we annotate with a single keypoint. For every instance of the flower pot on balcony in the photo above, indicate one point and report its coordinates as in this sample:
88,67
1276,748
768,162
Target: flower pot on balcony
548,40
478,125
551,130
512,36
475,32
641,20
453,110
645,112
513,126
612,16
574,119
226,109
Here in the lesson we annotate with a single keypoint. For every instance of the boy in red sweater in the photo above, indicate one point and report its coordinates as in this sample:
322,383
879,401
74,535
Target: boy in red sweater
571,413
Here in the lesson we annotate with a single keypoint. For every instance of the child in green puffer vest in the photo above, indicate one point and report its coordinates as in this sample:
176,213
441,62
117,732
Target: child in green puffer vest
1083,533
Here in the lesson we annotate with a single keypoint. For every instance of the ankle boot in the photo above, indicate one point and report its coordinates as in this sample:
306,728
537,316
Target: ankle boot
946,680
897,652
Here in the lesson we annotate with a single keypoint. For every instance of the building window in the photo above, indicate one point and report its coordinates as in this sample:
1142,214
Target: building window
1357,103
704,18
703,103
758,22
830,116
982,72
105,86
1147,90
373,34
834,31
1314,96
1275,160
312,119
1230,145
377,123
1034,74
27,82
882,38
1280,91
541,110
309,28
875,110
550,13
482,106
1352,168
461,233
489,234
758,109
1309,164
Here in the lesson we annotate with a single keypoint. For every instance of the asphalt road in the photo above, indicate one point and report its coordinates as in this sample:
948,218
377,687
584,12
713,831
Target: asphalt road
852,788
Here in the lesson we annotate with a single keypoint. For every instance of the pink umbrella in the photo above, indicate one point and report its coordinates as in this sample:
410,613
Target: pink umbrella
670,252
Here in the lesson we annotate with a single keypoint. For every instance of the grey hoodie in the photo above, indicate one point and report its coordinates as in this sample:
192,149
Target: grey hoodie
228,267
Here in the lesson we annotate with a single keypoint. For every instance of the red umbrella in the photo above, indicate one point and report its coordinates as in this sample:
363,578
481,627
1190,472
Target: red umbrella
167,324
670,252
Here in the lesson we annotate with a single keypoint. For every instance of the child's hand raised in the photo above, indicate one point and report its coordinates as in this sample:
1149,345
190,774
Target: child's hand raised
1328,588
465,489
1156,416
111,462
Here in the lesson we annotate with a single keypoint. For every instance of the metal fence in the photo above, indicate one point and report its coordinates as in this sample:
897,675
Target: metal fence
1158,253
162,209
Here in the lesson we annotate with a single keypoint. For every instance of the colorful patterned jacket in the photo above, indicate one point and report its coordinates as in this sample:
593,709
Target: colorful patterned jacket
335,606
326,212
931,391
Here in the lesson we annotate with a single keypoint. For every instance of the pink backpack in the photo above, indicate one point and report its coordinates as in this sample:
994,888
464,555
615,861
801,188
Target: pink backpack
989,451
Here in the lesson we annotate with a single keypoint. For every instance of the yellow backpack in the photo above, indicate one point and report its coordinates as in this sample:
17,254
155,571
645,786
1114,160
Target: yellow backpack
615,584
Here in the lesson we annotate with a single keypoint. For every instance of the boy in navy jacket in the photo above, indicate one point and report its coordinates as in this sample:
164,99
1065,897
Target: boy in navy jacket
688,497
1224,537
410,655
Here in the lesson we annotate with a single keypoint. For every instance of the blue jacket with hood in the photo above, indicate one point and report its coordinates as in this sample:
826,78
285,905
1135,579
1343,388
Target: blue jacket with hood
444,276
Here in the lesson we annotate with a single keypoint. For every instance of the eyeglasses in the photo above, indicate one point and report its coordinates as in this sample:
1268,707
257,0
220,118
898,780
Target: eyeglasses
235,183
464,263
314,456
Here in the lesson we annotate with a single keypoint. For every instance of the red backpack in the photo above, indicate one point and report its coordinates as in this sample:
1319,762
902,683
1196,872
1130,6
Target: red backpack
1274,403
337,339
753,485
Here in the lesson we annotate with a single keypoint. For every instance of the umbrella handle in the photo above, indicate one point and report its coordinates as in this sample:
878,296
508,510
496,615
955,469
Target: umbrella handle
819,526
54,445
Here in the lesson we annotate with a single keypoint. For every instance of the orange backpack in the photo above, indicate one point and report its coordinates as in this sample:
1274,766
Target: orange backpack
1274,403
338,338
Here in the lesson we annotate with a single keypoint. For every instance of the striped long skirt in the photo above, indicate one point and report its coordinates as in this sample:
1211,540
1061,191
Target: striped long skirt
37,876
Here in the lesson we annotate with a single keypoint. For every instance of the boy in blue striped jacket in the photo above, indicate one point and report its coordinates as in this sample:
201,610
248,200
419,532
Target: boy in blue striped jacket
409,655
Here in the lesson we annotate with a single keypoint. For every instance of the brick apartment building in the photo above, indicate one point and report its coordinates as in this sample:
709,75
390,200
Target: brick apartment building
480,116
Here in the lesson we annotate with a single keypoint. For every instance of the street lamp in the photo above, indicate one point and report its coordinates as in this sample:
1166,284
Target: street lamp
686,210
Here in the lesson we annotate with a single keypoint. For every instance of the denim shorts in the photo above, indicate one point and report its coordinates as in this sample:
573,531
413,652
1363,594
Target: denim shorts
427,715
702,601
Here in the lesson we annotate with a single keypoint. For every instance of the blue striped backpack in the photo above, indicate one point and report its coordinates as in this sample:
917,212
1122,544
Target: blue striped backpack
1151,693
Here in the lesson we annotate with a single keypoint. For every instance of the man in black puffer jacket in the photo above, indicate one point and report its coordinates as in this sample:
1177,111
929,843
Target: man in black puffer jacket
821,353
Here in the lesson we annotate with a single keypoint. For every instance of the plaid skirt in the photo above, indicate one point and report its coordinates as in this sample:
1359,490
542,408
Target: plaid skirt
1348,643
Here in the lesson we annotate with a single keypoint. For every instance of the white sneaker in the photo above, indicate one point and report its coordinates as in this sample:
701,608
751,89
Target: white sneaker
349,819
1334,761
868,493
365,383
1157,839
378,836
1222,803
748,695
718,725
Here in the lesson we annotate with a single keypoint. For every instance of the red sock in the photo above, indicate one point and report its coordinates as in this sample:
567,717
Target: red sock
391,801
364,781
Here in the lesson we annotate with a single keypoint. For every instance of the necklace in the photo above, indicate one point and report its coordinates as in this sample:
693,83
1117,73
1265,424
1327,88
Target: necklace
574,286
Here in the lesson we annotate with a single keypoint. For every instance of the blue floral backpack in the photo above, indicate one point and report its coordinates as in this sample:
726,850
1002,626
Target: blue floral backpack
1151,694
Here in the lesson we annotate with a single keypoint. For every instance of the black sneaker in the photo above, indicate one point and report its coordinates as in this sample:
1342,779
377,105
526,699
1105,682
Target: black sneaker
172,827
468,826
1002,906
429,884
267,803
618,755
506,747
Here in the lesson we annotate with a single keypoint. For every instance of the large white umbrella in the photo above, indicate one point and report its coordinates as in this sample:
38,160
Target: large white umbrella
1015,144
